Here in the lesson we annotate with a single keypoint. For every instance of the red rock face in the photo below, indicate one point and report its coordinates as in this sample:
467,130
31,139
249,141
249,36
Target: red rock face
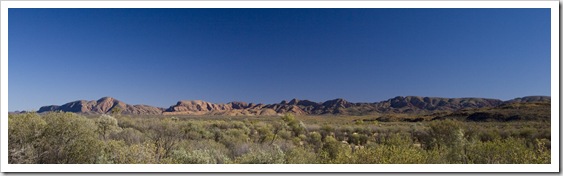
409,104
102,106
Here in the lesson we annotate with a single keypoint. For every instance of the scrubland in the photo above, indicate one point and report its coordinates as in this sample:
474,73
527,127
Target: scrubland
127,139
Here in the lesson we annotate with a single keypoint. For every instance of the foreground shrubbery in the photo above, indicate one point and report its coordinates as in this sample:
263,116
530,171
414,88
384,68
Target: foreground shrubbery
72,138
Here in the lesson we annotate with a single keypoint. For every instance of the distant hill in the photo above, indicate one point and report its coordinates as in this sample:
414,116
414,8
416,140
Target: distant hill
102,106
529,99
415,104
531,108
408,104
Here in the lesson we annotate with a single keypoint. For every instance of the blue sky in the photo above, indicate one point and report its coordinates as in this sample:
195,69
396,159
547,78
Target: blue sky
159,56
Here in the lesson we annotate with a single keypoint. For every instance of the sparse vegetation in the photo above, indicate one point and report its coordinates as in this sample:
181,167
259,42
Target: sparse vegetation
71,138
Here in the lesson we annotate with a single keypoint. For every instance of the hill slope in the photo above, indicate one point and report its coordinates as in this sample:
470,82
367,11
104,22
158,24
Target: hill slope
102,106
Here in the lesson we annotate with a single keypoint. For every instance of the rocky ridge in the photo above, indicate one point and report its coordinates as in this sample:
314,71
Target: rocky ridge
399,104
102,106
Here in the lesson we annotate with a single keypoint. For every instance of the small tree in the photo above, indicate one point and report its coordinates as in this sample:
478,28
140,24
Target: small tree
315,139
449,134
278,126
294,125
446,133
165,135
332,150
106,124
116,111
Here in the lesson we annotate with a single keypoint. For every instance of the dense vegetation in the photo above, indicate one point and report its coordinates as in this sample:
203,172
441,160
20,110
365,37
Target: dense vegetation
73,138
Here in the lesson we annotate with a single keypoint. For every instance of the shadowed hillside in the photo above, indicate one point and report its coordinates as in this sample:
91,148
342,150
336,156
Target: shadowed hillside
527,108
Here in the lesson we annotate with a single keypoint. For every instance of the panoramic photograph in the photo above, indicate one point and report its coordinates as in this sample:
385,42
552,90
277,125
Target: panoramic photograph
279,86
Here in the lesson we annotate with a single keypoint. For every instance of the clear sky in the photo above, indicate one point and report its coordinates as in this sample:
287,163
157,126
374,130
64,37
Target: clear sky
159,56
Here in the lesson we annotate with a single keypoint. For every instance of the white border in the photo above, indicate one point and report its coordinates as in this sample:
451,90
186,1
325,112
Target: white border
553,167
4,85
278,4
555,77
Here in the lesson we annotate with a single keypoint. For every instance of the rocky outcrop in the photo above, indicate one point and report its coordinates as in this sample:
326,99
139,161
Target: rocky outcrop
415,104
49,108
530,99
196,107
268,112
102,106
336,103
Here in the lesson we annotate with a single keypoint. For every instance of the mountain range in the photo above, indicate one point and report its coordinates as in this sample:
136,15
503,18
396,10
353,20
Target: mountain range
399,104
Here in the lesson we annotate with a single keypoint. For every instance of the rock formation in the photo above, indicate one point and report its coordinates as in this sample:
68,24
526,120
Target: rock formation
408,104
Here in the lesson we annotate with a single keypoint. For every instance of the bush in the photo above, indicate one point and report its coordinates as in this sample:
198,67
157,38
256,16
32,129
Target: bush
394,149
129,135
315,140
200,156
446,133
69,138
218,153
118,152
165,134
301,155
506,151
295,126
106,124
334,151
263,155
23,132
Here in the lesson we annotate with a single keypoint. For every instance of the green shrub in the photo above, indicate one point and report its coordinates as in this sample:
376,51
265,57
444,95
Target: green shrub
129,135
69,138
263,155
295,126
506,151
106,124
200,156
354,138
489,135
315,140
24,130
164,134
301,155
118,152
334,151
395,149
446,133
